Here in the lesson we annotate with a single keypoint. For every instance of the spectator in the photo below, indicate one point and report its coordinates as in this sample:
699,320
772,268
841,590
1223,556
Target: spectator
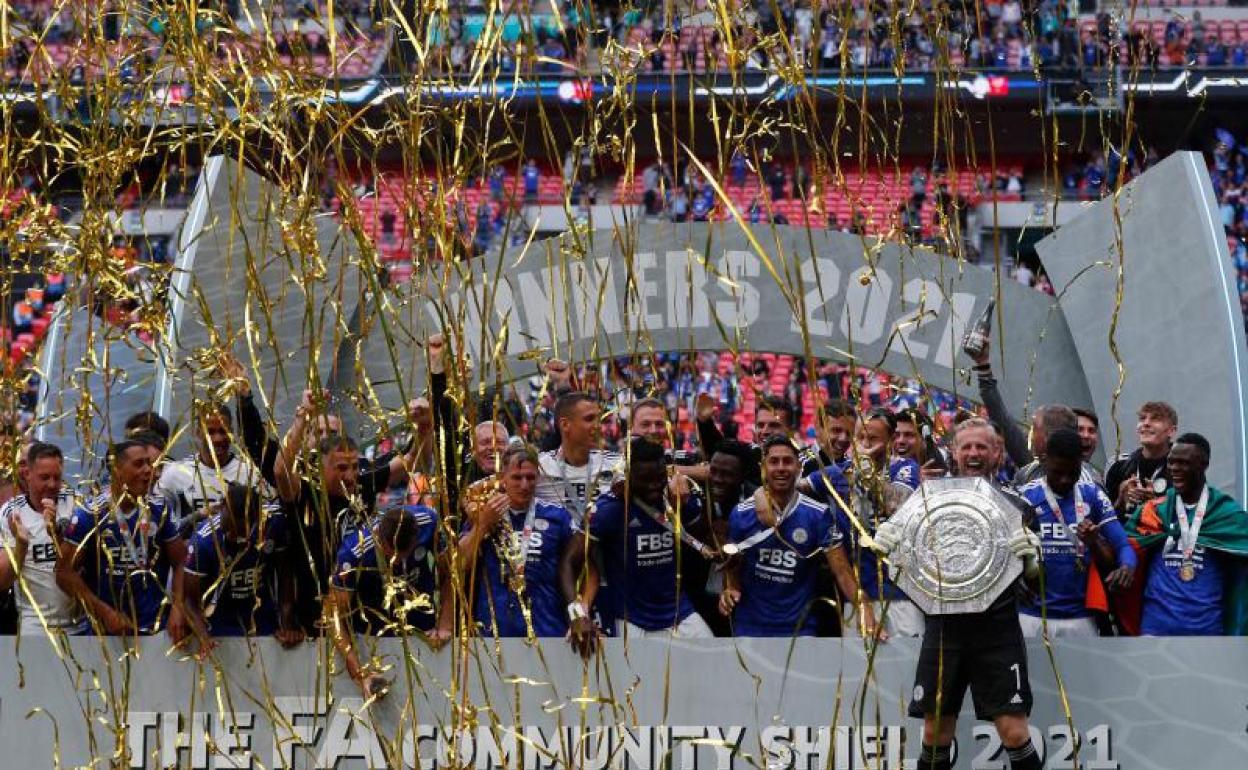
532,181
776,182
388,219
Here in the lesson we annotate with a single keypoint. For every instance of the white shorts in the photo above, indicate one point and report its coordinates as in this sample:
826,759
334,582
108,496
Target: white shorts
692,627
904,618
1034,627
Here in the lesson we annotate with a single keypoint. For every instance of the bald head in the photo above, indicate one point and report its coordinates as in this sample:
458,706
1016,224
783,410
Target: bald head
489,441
1047,420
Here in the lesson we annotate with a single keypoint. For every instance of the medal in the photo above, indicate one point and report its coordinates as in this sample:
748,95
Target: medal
1188,533
1160,485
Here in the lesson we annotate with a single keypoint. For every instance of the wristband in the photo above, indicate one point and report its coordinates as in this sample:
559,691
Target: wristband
576,611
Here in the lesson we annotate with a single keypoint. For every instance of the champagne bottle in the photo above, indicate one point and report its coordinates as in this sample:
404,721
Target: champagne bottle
975,341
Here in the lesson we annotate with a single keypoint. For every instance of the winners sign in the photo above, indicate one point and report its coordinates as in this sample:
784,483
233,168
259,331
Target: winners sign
1134,704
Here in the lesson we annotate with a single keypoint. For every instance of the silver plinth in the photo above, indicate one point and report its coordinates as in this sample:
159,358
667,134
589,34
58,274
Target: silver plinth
954,555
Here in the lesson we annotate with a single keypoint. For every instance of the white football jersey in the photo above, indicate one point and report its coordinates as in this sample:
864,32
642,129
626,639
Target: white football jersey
38,570
575,486
189,486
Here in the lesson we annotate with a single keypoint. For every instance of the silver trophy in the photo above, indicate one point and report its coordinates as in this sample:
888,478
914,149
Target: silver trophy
954,555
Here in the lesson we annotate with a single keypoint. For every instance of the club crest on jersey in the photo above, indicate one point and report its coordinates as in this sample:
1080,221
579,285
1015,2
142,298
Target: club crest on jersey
541,525
800,536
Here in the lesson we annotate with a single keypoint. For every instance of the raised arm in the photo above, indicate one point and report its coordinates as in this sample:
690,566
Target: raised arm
260,447
420,418
709,435
1015,439
285,476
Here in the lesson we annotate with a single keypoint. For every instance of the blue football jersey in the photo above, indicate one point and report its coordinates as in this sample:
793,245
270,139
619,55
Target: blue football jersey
640,554
496,608
1065,582
244,600
121,556
777,574
412,583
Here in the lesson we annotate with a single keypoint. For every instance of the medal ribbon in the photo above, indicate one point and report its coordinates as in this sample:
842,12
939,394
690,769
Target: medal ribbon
665,522
1189,533
520,549
141,523
1081,513
766,532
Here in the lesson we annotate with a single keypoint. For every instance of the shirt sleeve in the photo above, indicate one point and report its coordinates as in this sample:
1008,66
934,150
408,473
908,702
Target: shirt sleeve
167,530
345,571
691,511
275,529
606,519
1114,477
374,481
1112,530
736,531
829,532
908,474
6,535
1015,439
201,557
80,526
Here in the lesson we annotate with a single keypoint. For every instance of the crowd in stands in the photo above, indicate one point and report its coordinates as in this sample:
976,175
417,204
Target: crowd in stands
50,39
659,38
1229,173
999,35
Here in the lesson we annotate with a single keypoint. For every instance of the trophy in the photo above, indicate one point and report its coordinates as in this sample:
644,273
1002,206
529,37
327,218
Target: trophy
954,555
